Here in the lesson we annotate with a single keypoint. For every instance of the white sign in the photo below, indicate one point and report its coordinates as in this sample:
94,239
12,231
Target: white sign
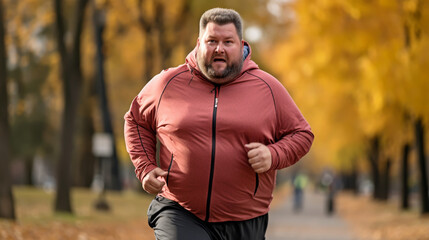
102,145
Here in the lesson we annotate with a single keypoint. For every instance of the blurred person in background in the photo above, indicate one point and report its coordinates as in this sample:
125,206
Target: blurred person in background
331,184
299,182
225,127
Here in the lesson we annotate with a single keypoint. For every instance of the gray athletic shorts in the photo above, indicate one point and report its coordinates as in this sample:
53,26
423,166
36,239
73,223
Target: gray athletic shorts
171,221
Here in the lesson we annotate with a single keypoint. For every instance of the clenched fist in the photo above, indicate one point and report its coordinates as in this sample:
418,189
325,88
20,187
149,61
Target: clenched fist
152,182
259,157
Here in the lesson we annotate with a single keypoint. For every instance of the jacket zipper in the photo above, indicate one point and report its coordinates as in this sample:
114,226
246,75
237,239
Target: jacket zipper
209,192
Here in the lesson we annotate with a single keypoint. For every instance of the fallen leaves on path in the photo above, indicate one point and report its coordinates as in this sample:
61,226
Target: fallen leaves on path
374,220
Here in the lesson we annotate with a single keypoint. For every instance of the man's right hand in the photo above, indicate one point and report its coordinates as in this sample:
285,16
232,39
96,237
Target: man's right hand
152,182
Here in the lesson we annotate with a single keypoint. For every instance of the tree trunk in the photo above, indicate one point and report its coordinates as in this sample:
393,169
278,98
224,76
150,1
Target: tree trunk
354,178
85,162
420,145
374,159
29,163
63,203
405,204
7,209
385,189
72,82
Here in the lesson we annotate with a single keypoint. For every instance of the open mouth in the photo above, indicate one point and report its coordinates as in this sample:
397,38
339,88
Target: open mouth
219,59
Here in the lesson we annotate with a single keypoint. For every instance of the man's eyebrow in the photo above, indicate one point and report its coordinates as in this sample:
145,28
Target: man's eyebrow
216,37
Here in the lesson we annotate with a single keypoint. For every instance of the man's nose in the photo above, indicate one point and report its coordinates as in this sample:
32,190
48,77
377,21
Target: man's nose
219,48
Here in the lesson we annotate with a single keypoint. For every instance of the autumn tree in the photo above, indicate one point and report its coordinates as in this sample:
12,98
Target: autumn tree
72,85
416,40
7,209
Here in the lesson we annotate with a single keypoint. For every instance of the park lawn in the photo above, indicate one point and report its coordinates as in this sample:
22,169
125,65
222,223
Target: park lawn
37,220
374,220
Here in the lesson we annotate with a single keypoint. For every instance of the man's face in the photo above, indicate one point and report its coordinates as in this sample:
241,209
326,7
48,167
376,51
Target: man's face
220,52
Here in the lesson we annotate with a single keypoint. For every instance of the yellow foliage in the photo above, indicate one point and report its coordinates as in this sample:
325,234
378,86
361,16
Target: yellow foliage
410,5
347,65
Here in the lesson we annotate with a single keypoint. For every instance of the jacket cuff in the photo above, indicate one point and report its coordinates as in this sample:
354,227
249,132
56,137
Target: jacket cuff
146,170
274,157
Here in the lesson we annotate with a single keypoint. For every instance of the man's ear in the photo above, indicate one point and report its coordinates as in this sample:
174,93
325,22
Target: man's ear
198,44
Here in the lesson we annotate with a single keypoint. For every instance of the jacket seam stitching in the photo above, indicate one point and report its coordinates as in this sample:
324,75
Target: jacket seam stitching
141,143
272,94
165,87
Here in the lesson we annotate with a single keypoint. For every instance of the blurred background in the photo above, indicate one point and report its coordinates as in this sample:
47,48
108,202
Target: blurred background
357,69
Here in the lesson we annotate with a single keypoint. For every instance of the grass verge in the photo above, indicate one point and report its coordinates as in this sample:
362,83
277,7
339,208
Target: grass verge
36,218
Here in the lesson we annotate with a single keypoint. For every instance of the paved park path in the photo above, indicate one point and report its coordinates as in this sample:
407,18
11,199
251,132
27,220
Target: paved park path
311,223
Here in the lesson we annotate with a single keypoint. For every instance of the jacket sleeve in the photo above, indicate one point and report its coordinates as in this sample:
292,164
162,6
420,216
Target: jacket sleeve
140,131
293,135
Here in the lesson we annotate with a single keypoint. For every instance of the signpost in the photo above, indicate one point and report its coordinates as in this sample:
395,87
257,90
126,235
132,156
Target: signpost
102,148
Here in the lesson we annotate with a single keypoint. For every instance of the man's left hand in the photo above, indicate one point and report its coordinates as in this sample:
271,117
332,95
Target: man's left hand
259,157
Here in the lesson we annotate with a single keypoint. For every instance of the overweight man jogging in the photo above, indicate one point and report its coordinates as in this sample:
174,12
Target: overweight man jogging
225,127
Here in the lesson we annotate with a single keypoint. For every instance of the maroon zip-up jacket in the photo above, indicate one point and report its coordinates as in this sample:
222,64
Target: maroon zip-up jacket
203,127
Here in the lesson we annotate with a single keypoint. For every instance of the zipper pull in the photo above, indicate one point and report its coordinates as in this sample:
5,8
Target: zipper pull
216,100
